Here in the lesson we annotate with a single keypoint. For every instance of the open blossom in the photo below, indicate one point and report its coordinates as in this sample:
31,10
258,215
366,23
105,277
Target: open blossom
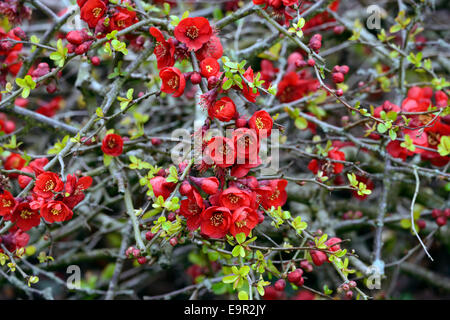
262,123
246,144
91,11
25,217
273,193
234,198
14,161
333,167
55,211
224,110
215,222
164,50
194,32
243,220
73,189
249,93
46,184
191,208
209,67
173,81
7,203
112,145
122,18
213,48
220,151
36,167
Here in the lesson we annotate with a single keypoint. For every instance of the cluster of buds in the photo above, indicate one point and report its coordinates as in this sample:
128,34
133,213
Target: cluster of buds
441,216
79,41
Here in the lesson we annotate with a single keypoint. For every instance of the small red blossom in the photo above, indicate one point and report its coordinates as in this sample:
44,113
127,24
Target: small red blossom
243,220
173,81
25,217
56,211
191,208
213,48
14,161
194,32
215,222
73,189
112,145
92,11
234,198
7,203
223,110
46,184
262,123
122,18
220,151
273,193
209,67
164,50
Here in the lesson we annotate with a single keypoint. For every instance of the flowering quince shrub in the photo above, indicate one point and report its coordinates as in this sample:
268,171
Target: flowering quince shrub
257,149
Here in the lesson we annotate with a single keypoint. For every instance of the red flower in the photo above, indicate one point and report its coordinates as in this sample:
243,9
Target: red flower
112,145
273,193
15,239
172,81
249,93
234,198
56,211
209,67
244,219
14,161
194,32
74,190
36,167
46,184
333,167
7,203
223,110
123,18
191,208
246,145
92,11
164,50
161,187
294,86
220,151
262,123
215,222
25,217
213,48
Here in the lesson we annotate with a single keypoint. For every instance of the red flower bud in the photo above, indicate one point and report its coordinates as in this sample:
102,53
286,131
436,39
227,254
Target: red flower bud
95,61
280,285
318,257
196,78
142,260
338,77
315,43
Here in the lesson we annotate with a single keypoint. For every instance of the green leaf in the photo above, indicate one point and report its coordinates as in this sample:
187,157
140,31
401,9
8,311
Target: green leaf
230,279
242,295
444,146
301,123
240,237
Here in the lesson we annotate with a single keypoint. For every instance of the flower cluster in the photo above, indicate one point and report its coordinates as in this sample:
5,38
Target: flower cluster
423,131
105,17
51,198
191,34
